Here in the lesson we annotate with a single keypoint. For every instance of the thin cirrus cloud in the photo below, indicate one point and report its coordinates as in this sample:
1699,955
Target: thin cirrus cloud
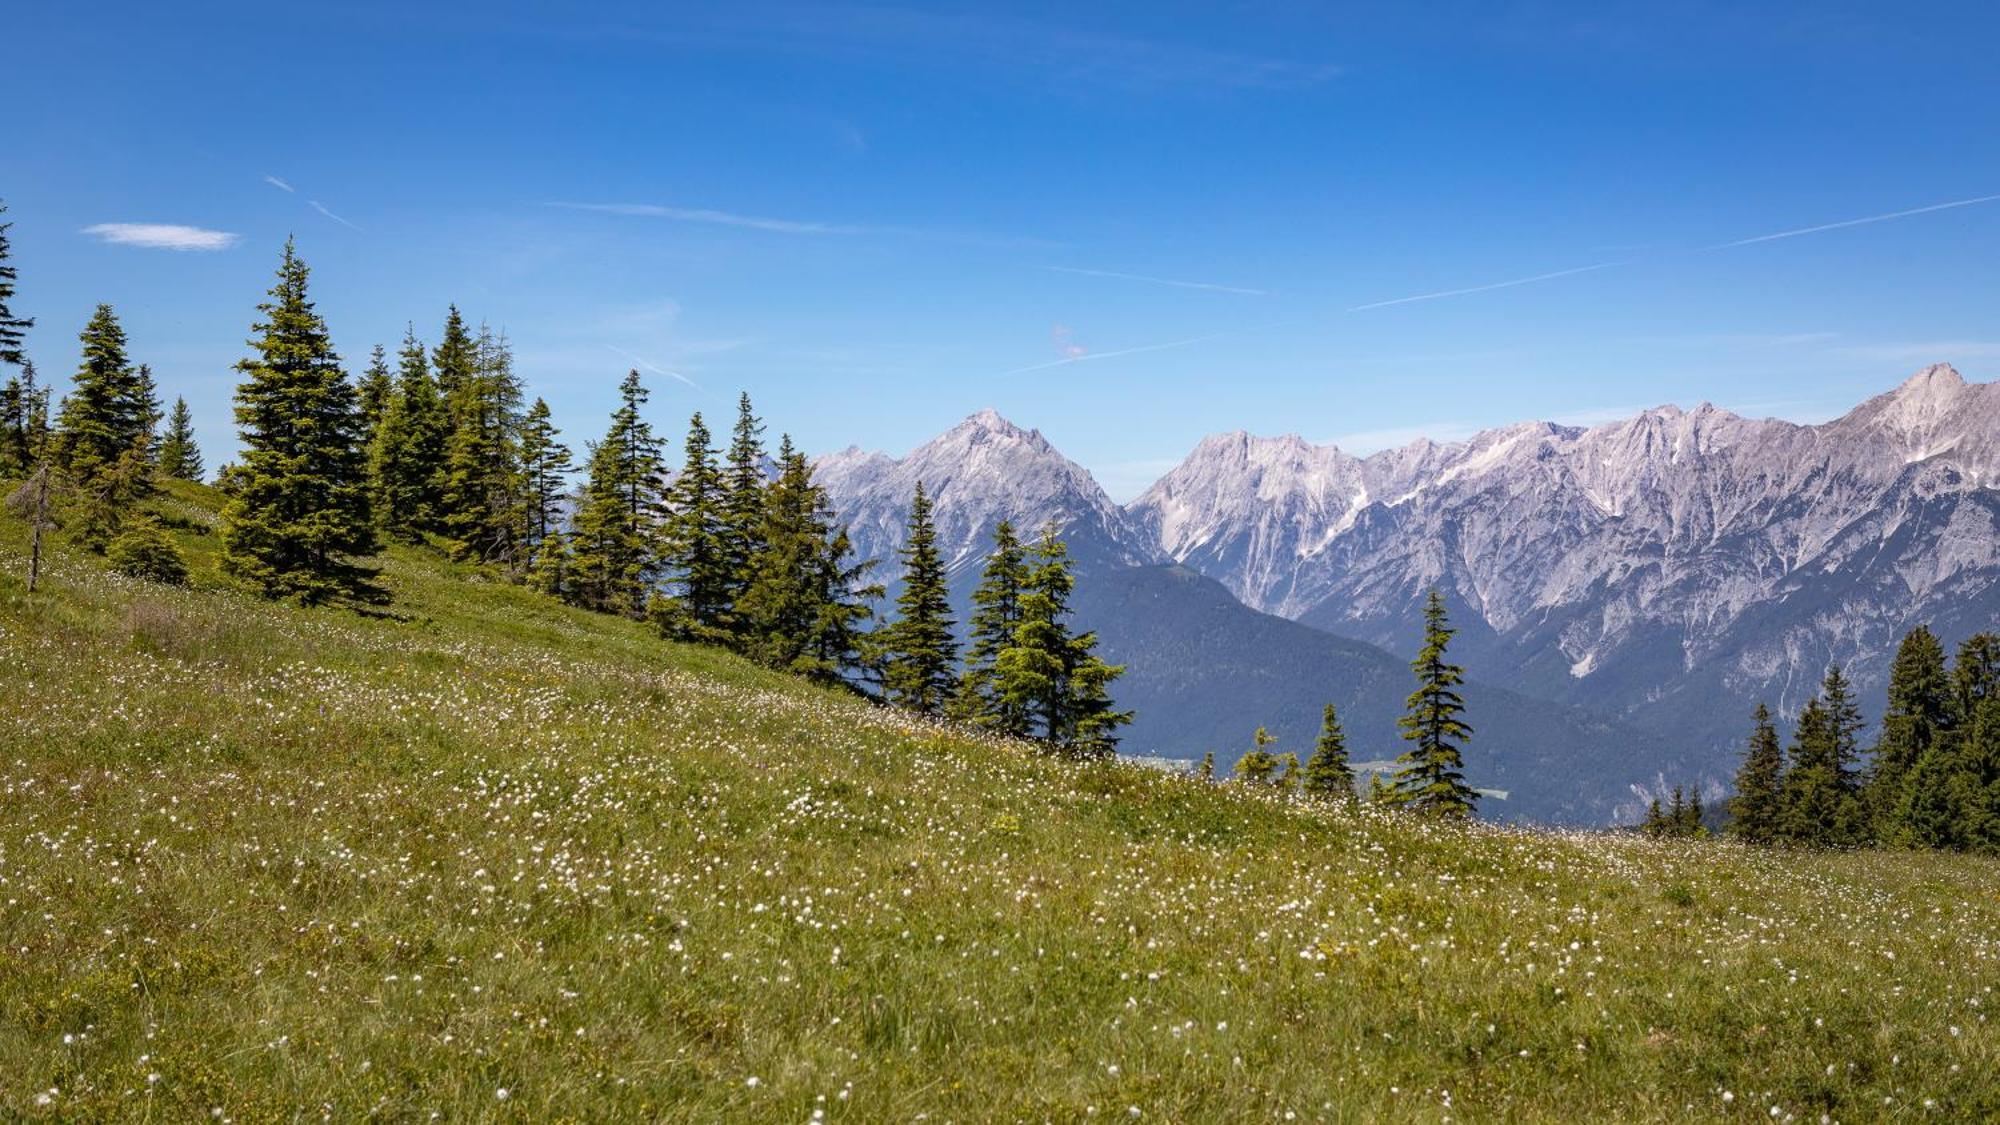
718,218
1863,221
162,236
1168,282
278,183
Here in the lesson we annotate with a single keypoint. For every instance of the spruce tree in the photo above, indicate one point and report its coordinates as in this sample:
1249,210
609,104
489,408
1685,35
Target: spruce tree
13,329
545,467
1975,672
101,437
1054,675
613,540
406,455
1206,770
1432,779
149,416
479,519
455,360
921,655
695,556
1258,764
1755,809
180,457
742,506
1328,774
375,390
808,599
1921,713
1820,805
298,513
24,421
996,613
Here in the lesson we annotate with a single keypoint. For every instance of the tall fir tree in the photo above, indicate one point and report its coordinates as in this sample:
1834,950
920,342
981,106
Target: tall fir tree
298,516
150,415
1822,804
545,468
1922,712
1053,675
920,654
180,457
101,437
1756,808
996,613
375,390
808,600
1328,773
613,543
695,553
742,504
1432,777
455,360
406,454
481,494
1975,672
13,329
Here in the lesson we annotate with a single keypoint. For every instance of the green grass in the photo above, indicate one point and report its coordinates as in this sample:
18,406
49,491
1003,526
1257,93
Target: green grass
275,864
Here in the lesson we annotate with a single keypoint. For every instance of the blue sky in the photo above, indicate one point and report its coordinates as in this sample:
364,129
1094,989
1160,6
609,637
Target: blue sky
1126,225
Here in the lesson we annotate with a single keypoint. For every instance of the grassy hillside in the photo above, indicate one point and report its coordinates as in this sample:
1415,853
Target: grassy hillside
486,857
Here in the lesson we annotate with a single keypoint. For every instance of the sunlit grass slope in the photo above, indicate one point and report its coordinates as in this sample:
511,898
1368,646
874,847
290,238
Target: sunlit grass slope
487,857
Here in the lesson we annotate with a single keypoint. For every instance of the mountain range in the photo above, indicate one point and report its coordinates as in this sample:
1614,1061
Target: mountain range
1663,573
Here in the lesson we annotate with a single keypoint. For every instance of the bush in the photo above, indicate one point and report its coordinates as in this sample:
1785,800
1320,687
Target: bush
146,552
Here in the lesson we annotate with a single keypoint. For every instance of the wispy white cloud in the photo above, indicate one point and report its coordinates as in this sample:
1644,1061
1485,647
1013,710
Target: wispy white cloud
1209,286
162,236
1854,222
1482,288
707,215
278,183
321,208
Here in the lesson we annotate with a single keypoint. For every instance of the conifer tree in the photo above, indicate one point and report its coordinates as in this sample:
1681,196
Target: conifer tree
149,416
1206,771
1288,774
35,503
375,390
24,421
480,495
695,554
455,360
1975,672
298,514
1432,779
1054,675
1258,764
1755,810
613,539
550,571
13,329
1693,815
1328,774
101,438
406,455
1820,805
996,613
921,655
545,467
1921,713
180,457
1656,819
808,599
146,551
742,505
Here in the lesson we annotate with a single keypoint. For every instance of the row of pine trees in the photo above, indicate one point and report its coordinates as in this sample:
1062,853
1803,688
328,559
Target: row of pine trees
1932,779
738,548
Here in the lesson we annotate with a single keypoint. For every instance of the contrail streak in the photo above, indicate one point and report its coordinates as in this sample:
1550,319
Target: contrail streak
1854,222
1209,286
657,369
1483,288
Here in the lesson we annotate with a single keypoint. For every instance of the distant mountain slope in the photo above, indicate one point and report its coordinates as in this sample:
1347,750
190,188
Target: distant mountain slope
1671,568
1667,572
1204,671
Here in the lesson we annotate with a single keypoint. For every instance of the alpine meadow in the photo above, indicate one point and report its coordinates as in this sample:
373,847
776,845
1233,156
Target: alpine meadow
472,653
